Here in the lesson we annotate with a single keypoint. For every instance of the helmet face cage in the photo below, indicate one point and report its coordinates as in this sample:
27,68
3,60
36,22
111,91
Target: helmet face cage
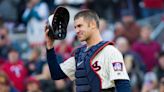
60,20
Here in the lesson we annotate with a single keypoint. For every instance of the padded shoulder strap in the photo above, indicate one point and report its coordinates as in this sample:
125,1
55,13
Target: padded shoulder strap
98,50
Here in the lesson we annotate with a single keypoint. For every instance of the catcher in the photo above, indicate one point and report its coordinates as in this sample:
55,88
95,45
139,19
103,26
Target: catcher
95,67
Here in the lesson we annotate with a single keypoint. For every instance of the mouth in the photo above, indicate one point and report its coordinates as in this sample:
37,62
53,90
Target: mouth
79,35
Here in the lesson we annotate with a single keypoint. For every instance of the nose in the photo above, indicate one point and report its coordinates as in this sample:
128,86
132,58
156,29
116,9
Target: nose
76,30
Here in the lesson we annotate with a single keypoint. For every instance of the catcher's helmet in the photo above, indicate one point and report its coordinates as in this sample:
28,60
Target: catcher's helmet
58,23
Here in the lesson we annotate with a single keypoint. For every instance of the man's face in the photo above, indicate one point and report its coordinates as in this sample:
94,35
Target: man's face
83,29
128,19
3,36
13,56
35,55
35,1
145,33
122,46
161,86
4,85
161,62
32,87
119,26
4,88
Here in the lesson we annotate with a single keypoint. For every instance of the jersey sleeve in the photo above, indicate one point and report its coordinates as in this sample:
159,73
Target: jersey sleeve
115,64
68,67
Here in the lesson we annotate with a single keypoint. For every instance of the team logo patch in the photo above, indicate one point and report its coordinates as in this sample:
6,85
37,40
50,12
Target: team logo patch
96,67
117,66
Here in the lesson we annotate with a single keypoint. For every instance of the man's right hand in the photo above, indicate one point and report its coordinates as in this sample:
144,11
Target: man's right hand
49,40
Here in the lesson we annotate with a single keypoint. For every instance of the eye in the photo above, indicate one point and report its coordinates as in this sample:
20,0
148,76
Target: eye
79,25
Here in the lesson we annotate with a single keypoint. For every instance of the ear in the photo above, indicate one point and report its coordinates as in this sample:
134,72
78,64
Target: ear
92,24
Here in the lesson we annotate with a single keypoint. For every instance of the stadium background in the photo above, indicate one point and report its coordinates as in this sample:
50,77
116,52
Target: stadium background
136,27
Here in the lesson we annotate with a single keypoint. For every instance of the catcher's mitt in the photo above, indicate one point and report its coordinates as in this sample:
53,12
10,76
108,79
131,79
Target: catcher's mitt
58,23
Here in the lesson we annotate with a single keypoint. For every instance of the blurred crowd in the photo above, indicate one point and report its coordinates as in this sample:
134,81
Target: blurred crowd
23,65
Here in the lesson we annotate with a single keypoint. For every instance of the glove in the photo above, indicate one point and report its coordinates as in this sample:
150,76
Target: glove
58,22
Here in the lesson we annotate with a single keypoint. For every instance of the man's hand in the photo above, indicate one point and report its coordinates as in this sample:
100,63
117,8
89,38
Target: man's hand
30,4
49,40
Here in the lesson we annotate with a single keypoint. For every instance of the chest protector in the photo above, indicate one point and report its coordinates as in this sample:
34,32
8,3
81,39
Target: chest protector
87,80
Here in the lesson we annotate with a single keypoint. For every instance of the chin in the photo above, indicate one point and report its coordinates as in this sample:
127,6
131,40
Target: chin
80,39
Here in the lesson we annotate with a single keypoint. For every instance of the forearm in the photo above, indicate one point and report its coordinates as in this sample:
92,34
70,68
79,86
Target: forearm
41,76
27,15
36,14
45,73
122,86
55,70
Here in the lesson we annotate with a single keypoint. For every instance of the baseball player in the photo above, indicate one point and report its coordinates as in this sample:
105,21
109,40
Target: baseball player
96,66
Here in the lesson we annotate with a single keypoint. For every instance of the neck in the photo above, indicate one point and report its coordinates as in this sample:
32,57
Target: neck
35,91
14,63
146,40
94,39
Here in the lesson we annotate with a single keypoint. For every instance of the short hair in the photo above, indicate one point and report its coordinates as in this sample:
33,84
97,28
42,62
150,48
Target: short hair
12,49
148,26
88,15
161,54
4,28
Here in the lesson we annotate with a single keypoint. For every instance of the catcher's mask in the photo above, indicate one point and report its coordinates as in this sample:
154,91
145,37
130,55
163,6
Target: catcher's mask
58,23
